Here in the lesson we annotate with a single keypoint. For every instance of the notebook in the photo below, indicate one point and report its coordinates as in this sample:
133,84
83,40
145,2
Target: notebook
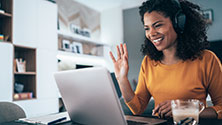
90,97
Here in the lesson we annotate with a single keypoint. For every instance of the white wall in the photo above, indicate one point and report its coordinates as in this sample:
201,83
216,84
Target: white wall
112,31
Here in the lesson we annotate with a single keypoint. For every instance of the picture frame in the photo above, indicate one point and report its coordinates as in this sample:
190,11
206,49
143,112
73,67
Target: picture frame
208,15
66,45
73,48
78,47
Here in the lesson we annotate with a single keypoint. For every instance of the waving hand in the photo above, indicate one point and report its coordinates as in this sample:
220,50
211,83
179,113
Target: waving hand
121,63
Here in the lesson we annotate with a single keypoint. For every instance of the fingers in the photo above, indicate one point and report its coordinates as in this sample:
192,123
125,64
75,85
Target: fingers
155,110
112,57
163,109
118,52
125,50
121,51
169,114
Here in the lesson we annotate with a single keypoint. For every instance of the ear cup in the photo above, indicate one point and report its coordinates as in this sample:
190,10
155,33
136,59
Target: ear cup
180,20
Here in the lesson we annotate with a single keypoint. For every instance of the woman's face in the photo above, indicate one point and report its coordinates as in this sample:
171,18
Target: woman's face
159,30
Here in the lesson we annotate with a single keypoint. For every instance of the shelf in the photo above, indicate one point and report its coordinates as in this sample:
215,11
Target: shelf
76,37
5,15
6,19
26,63
81,59
25,73
6,41
24,99
70,54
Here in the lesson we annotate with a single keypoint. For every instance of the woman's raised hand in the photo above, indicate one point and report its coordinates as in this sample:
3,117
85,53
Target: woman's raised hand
121,63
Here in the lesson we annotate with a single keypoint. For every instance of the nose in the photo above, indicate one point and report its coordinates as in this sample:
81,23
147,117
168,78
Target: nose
152,32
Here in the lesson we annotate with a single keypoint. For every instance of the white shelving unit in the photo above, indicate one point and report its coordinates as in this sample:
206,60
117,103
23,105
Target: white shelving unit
35,27
83,59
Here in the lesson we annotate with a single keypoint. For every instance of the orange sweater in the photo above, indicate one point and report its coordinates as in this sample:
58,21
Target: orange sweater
183,80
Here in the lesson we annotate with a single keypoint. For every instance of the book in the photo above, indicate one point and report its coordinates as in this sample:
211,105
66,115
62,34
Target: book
25,95
1,37
48,119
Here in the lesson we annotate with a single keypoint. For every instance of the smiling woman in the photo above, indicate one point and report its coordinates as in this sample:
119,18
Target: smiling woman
177,64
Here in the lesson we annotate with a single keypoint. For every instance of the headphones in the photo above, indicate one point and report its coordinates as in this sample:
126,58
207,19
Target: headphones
179,19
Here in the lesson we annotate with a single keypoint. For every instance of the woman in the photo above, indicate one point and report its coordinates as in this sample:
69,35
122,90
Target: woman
176,63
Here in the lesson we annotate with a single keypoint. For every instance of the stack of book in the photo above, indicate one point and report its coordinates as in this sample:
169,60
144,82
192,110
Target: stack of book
21,96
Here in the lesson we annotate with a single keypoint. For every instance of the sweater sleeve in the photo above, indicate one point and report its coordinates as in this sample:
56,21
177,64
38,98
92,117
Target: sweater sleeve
214,73
142,96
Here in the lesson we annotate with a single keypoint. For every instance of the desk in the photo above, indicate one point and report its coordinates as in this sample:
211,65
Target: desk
202,121
169,122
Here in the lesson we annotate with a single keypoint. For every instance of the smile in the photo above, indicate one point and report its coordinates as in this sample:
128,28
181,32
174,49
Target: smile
157,40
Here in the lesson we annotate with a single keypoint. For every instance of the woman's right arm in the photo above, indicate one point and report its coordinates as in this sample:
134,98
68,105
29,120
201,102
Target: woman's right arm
121,68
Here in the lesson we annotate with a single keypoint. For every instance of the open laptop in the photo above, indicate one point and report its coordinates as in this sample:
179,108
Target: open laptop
90,97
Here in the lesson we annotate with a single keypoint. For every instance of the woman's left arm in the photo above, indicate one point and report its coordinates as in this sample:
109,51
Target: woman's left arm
208,113
213,74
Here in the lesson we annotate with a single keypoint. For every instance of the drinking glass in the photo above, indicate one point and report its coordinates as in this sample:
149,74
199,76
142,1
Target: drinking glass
186,111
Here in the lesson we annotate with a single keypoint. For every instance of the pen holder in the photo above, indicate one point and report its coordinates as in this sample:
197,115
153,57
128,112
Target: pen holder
21,65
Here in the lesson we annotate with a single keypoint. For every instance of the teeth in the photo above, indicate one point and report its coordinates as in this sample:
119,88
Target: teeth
157,40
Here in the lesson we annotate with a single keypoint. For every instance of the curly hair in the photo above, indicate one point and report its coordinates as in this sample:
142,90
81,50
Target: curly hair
191,42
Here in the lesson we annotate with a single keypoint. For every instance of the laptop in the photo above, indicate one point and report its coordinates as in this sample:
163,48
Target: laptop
90,97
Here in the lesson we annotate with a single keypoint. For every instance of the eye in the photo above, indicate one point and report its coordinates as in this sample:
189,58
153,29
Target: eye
146,28
158,25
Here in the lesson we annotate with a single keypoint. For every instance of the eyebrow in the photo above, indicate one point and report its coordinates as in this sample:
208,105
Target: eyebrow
154,23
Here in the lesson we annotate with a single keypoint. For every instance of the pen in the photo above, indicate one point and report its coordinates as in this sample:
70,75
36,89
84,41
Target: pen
57,120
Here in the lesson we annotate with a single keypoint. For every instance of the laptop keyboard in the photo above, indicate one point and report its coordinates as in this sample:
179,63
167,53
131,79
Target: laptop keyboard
129,122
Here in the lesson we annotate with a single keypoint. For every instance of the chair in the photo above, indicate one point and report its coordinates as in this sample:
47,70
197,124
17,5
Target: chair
10,112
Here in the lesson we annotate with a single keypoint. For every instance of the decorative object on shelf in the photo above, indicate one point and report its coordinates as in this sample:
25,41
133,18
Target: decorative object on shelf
18,87
77,30
24,95
1,10
208,15
73,48
78,47
6,38
1,37
66,45
20,64
86,32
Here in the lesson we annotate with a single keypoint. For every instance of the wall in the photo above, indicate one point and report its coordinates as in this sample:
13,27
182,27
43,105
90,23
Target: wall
214,32
111,31
134,37
134,33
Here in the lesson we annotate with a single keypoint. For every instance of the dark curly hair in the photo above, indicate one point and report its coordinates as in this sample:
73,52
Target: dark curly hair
191,42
